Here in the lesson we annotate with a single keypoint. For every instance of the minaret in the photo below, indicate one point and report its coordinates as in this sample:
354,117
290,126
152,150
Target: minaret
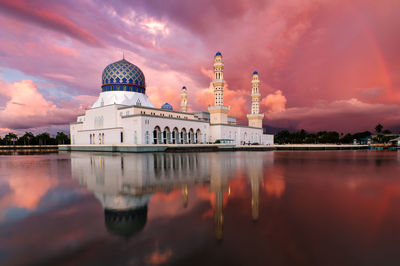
255,118
218,112
184,99
219,81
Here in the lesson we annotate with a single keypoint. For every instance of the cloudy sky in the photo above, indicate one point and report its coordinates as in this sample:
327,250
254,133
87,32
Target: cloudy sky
323,64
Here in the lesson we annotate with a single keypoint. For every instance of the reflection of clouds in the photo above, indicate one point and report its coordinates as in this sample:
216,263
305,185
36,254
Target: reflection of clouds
158,257
274,183
25,190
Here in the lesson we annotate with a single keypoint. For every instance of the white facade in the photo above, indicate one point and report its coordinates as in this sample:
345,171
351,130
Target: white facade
127,117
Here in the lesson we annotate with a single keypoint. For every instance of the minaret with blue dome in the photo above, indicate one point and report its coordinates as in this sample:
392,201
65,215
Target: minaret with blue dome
184,104
255,118
218,112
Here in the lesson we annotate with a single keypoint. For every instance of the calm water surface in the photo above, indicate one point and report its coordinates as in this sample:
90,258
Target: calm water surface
227,208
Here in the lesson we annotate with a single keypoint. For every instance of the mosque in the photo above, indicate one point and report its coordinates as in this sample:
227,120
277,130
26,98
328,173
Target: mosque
124,115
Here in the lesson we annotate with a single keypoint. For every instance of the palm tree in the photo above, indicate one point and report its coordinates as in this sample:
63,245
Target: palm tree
43,138
11,138
62,138
27,137
378,128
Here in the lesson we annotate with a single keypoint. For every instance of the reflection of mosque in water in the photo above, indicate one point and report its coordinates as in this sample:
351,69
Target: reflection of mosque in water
125,183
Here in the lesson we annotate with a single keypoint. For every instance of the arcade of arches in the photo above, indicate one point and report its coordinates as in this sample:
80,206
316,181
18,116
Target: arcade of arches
174,136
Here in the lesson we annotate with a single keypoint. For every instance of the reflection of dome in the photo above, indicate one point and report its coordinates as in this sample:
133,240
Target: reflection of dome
123,76
218,53
125,223
167,106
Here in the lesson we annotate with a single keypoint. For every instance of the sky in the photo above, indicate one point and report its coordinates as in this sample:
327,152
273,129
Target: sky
323,64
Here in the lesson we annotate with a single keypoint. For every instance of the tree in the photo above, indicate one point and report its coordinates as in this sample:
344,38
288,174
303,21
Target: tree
10,138
62,138
282,137
26,138
378,128
387,131
43,138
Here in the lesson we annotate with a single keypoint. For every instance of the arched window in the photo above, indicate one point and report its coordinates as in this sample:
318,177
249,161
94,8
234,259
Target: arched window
147,137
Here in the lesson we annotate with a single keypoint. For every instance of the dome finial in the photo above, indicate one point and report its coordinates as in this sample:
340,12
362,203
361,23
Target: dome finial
123,55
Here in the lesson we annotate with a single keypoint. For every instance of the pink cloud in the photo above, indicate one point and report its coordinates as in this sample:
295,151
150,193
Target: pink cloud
46,17
274,102
26,107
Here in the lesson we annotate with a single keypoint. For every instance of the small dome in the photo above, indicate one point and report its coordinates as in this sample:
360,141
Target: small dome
184,87
167,106
125,223
218,53
123,76
255,73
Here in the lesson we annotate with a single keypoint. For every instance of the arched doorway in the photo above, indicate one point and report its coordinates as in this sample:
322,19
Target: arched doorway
183,136
191,136
175,136
198,136
157,135
166,136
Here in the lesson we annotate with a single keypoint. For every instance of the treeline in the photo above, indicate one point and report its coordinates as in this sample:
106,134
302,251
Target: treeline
323,137
30,139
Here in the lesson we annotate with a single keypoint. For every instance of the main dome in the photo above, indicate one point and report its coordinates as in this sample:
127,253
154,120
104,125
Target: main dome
123,76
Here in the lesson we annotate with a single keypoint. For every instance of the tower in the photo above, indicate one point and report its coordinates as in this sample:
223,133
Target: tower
255,118
218,112
184,99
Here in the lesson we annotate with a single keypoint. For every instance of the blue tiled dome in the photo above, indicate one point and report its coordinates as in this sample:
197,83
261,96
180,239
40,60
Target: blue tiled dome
218,53
167,106
123,76
125,223
255,73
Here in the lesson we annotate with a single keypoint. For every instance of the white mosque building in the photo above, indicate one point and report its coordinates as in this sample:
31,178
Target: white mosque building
124,115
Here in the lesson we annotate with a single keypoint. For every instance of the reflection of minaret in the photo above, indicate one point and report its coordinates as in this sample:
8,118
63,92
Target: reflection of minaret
255,197
218,184
185,195
255,174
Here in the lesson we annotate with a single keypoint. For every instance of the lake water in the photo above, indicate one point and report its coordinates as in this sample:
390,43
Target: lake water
226,208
